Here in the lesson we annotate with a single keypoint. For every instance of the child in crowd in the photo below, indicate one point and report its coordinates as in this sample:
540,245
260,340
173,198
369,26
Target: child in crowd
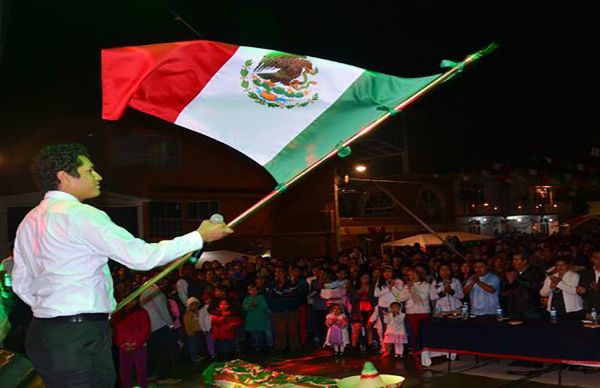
131,334
191,324
395,332
337,334
204,319
224,325
255,306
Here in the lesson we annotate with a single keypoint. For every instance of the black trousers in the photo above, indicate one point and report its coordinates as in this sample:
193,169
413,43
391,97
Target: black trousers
70,355
158,344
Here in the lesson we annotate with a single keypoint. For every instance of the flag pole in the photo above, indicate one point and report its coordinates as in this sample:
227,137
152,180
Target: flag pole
470,59
454,70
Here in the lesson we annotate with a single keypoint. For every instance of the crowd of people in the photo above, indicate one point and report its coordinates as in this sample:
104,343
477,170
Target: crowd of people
351,304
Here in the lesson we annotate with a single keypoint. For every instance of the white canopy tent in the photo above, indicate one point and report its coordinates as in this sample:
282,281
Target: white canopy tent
431,239
222,257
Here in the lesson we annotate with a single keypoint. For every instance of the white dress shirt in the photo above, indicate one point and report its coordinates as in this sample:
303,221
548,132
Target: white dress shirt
61,253
568,285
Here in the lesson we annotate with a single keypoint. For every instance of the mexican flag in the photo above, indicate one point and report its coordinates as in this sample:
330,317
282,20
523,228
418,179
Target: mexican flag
284,111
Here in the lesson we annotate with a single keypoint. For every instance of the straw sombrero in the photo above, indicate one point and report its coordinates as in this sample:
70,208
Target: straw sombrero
370,378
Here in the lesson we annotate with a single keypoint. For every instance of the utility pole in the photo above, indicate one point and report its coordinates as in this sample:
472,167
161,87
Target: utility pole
405,160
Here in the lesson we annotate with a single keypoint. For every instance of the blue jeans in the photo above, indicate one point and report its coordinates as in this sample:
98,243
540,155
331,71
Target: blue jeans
194,342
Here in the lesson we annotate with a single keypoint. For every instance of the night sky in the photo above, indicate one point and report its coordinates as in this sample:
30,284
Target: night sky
536,95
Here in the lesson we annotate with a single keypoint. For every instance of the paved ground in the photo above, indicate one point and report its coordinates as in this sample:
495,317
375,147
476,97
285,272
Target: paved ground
465,371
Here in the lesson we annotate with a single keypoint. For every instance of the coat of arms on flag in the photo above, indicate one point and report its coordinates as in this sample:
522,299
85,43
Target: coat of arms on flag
280,80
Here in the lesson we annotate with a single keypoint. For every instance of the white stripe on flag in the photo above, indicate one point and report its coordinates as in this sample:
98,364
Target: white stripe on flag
223,111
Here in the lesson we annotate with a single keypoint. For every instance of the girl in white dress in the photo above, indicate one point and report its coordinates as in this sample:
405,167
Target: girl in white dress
395,332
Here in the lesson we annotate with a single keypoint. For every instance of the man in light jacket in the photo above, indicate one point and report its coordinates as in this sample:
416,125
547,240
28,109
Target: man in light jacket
560,287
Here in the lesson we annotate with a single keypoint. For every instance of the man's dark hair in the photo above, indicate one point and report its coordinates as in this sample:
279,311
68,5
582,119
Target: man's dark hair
480,261
566,259
54,158
522,255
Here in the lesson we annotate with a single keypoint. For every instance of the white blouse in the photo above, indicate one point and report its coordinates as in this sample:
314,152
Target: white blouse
418,301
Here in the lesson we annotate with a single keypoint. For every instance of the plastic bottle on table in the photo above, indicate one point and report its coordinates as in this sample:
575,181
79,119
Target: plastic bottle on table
553,315
464,310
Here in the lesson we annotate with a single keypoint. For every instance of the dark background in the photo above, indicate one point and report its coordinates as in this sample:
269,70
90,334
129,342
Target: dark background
536,95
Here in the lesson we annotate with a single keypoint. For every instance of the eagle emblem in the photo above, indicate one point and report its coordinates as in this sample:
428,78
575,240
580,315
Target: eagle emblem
280,80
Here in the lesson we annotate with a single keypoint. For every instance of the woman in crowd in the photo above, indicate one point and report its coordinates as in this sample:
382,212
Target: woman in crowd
418,307
362,301
446,291
466,270
319,306
389,289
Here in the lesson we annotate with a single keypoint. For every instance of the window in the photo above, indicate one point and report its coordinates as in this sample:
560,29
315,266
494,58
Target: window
202,210
350,202
544,226
378,204
165,219
543,195
474,227
429,202
148,150
471,192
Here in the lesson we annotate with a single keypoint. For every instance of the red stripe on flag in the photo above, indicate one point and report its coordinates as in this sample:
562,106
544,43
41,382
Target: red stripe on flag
159,79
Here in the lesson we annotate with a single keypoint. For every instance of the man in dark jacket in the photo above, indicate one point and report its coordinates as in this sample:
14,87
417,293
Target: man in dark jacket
523,289
523,295
283,299
589,284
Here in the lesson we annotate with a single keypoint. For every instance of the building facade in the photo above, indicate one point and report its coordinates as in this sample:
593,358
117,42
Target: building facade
485,205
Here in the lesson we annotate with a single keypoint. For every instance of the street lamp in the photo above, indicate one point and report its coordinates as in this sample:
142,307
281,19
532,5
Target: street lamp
360,168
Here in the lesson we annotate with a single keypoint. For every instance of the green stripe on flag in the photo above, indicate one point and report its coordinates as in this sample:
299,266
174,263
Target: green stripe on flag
354,109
